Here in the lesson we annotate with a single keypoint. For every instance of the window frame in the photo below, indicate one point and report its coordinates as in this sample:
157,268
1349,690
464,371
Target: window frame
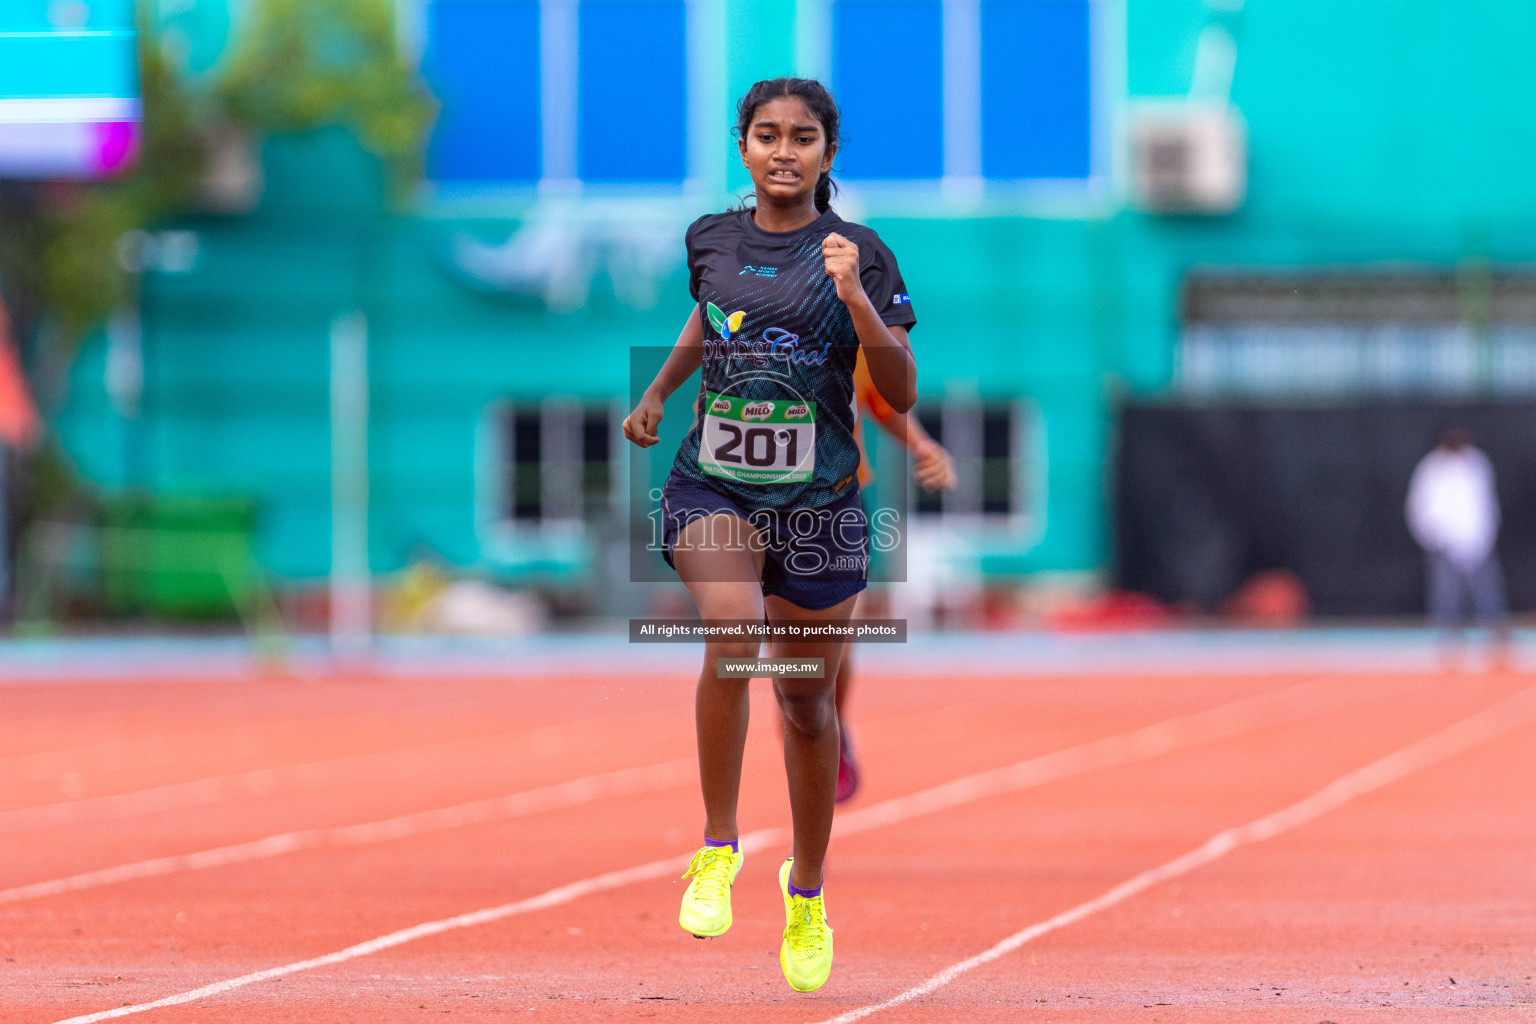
705,155
1027,458
964,190
961,193
504,535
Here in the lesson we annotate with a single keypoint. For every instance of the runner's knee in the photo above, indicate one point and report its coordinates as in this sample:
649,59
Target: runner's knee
807,711
736,650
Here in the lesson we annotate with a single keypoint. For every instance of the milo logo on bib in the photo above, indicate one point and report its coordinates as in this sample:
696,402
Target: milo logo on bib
758,442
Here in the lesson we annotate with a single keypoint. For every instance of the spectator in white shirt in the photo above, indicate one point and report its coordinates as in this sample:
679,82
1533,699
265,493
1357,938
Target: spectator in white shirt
1453,511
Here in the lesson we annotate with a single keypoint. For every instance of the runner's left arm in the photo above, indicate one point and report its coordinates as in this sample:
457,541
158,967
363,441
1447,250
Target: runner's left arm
886,348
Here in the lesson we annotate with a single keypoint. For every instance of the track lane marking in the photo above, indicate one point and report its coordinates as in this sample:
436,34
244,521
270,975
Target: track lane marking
590,788
44,764
369,767
1161,737
751,842
1492,722
255,783
1218,723
1224,721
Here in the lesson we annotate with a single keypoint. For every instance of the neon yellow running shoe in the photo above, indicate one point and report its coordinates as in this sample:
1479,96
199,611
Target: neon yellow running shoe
707,902
806,953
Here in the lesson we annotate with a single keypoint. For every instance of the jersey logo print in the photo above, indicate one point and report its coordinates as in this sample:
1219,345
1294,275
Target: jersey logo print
901,299
758,271
720,321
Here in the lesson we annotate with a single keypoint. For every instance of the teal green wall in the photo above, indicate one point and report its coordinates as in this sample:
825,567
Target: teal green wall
760,43
1375,136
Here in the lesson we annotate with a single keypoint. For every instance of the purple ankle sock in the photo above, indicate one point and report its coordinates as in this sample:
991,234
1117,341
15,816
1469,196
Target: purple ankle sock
810,894
734,844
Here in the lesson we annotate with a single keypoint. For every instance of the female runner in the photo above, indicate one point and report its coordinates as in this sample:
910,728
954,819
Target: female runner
761,514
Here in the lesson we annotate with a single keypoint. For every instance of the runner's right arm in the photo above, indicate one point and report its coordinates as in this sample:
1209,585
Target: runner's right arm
686,356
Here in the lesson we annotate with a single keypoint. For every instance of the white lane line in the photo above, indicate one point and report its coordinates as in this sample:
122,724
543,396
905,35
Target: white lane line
552,898
1488,724
195,793
115,750
356,768
1300,701
625,782
1226,720
1303,700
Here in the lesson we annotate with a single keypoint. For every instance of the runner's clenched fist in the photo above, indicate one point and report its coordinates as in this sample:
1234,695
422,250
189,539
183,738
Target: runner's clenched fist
842,258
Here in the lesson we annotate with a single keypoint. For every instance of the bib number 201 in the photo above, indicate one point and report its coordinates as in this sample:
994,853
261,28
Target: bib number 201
761,442
757,445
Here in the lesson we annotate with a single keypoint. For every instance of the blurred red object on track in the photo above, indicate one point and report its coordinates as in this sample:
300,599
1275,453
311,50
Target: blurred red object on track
1274,598
1109,612
18,414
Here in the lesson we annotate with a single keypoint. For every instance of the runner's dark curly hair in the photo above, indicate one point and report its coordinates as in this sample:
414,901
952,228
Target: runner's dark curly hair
817,99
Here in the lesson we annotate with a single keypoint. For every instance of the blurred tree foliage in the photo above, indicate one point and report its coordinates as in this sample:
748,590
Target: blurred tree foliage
304,64
59,257
86,279
62,274
295,65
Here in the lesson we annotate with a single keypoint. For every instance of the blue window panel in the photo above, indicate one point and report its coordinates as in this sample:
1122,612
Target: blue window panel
482,61
47,66
1036,97
888,74
632,91
42,16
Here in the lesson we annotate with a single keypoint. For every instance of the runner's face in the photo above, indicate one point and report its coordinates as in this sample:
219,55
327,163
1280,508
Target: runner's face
786,150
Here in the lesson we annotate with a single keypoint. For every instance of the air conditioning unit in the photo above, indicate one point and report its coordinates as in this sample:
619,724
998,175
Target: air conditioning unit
1188,157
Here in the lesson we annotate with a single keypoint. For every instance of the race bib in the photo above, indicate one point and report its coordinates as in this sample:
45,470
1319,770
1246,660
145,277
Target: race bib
762,442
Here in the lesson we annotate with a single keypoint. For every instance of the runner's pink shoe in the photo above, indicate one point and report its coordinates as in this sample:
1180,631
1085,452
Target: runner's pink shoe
847,768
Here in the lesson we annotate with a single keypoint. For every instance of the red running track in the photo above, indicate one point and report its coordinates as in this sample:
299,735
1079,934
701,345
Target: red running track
1412,899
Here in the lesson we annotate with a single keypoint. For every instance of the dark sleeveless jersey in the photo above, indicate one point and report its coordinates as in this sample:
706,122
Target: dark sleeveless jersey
779,350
